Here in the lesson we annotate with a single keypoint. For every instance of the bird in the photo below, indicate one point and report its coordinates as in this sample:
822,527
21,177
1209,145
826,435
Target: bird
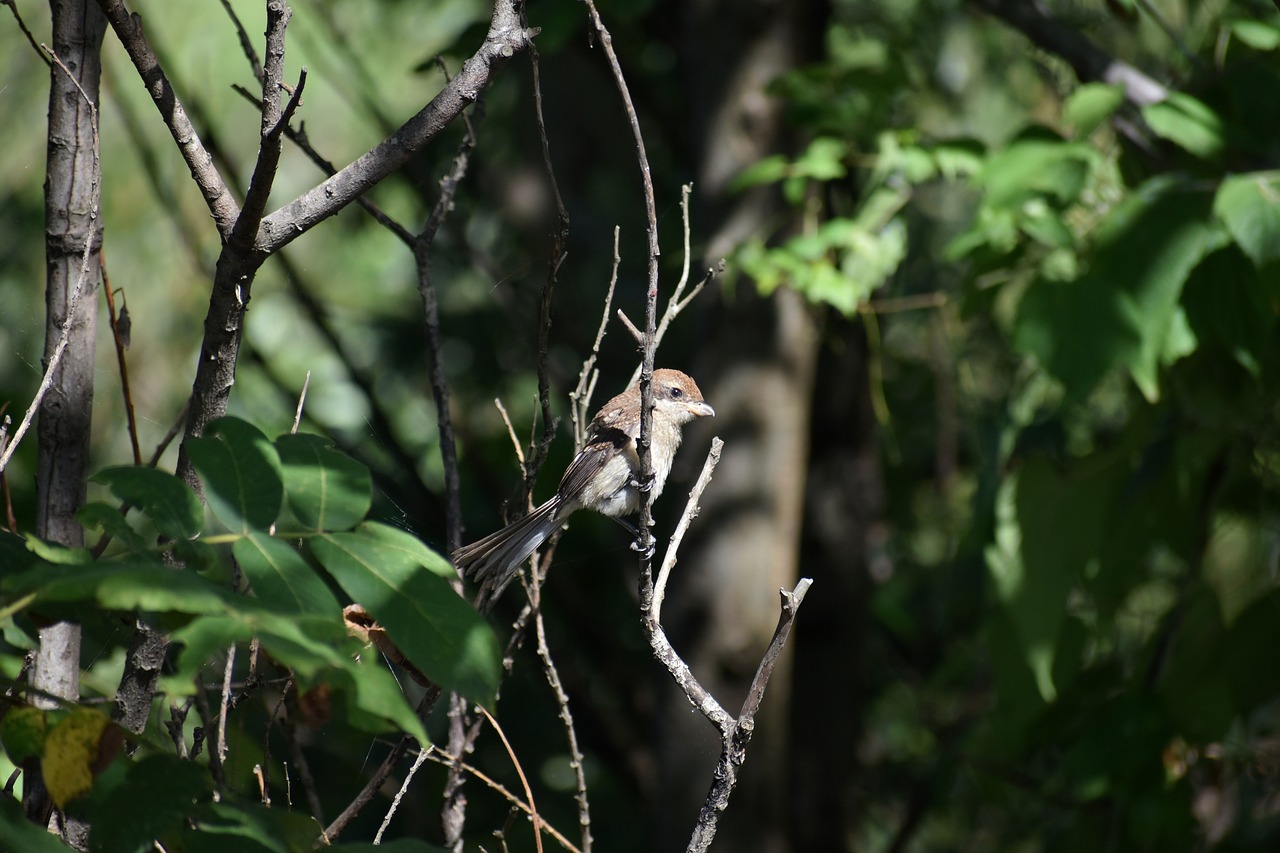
603,476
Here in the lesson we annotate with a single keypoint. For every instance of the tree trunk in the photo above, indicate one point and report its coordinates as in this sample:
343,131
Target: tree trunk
72,189
760,379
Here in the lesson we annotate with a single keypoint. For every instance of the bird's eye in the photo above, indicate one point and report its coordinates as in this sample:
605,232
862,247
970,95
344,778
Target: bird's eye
677,393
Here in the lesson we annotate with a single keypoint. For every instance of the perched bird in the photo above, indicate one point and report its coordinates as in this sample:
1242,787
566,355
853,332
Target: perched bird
602,477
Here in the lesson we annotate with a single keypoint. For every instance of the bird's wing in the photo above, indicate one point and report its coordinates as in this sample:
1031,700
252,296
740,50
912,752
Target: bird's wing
602,444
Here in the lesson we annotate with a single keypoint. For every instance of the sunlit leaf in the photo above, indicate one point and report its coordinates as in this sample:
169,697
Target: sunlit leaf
326,489
435,628
1123,311
240,470
1090,105
1189,123
281,579
1250,206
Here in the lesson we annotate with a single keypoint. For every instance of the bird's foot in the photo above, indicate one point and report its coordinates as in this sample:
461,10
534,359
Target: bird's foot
642,484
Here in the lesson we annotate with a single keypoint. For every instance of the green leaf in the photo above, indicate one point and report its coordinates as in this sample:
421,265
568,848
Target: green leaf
171,789
16,555
1036,165
241,473
1123,312
326,489
411,547
167,501
281,579
375,699
766,171
242,827
122,586
1188,123
18,833
1259,35
316,649
1090,105
1250,207
435,628
107,519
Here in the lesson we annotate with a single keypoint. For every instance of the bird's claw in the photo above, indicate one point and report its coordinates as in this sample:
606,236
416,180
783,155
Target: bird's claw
648,549
642,484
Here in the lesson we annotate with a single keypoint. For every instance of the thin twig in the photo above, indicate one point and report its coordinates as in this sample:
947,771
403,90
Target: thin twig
31,40
524,781
431,318
374,783
445,759
571,732
64,337
118,337
511,431
404,787
302,398
644,541
225,704
736,739
581,396
217,195
690,513
246,43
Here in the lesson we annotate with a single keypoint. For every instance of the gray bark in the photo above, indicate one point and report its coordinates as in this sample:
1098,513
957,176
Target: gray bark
72,189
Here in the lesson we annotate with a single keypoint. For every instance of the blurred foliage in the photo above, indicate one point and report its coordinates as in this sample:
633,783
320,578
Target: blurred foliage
1103,280
1073,623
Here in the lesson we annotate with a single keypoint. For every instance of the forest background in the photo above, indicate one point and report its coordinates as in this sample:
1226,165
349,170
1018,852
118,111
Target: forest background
993,352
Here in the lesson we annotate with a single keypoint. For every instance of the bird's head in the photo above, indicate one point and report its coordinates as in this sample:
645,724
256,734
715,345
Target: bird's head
676,395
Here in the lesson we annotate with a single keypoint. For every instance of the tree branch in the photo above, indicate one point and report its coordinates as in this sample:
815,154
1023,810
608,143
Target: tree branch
217,196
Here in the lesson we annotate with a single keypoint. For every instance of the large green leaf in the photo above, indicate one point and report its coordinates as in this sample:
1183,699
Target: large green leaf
281,579
241,473
122,586
435,628
154,799
108,519
315,648
1189,123
326,489
1124,311
167,501
233,825
1250,206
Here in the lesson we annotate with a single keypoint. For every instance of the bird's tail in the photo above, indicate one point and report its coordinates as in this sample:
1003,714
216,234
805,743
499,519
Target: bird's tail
494,560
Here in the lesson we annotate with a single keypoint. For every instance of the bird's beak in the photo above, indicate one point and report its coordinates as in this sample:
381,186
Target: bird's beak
702,410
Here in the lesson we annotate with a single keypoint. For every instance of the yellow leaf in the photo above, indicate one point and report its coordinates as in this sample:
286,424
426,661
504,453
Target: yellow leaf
71,755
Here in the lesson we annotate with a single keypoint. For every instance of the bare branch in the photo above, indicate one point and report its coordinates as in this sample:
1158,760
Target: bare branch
644,542
581,396
217,196
404,787
738,736
566,719
505,38
524,781
246,43
691,510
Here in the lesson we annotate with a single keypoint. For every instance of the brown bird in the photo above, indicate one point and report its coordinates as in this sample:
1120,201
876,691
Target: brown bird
602,477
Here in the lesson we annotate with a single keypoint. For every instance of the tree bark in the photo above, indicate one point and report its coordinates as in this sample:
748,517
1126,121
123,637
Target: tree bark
72,191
